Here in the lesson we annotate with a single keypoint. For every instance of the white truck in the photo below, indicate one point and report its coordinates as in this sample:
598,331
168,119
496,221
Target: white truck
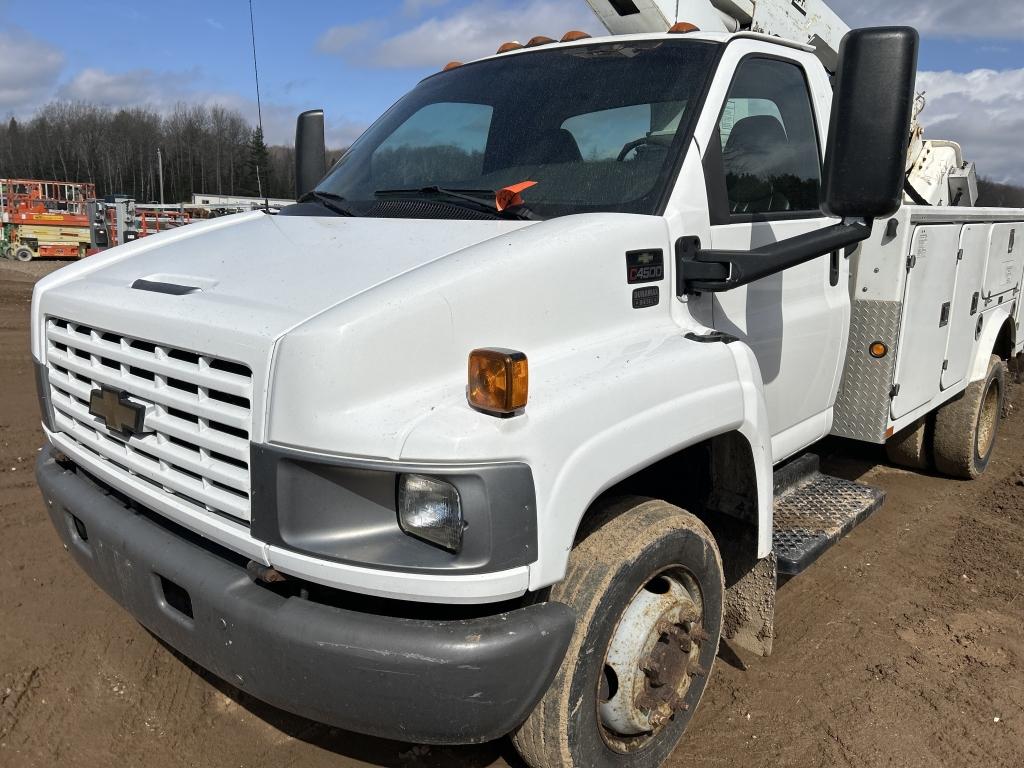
504,427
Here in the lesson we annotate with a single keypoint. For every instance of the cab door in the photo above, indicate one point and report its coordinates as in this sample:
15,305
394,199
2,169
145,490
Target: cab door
763,171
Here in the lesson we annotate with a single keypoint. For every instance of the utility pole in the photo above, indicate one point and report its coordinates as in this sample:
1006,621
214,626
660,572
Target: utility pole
160,172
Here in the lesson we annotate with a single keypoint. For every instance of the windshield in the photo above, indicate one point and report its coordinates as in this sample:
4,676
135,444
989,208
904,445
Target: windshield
593,127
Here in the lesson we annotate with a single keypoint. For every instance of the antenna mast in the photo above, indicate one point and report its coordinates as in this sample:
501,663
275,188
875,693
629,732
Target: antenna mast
259,106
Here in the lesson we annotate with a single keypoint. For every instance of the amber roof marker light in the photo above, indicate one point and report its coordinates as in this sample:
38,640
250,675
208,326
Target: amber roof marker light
498,381
540,40
573,35
682,28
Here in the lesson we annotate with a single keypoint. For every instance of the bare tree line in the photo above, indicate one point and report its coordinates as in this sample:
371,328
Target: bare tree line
992,194
205,149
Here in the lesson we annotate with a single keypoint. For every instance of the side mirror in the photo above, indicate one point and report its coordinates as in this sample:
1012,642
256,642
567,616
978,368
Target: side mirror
310,151
865,165
869,133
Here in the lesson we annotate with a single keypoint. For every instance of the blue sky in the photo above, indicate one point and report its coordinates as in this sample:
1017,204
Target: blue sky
356,58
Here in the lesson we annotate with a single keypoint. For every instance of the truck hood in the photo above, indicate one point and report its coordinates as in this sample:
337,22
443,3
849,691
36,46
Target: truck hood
264,274
254,278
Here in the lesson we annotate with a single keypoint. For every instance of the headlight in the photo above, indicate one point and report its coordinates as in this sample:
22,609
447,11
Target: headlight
431,510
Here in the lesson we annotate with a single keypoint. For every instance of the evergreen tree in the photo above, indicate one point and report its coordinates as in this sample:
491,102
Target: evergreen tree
257,166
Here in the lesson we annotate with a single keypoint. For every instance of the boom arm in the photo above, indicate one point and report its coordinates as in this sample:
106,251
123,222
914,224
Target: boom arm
805,21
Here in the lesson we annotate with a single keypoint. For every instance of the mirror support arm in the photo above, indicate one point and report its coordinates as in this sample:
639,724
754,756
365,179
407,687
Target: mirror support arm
713,271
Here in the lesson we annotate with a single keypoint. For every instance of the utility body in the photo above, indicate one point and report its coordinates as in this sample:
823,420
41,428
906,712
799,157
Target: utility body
674,263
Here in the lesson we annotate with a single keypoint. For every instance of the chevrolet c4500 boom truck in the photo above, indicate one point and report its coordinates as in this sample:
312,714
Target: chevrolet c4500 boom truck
504,426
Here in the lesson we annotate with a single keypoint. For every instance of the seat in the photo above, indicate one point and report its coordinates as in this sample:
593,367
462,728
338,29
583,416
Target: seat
552,147
754,158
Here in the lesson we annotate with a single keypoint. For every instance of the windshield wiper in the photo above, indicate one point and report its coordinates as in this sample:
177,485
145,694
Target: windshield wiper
474,199
328,200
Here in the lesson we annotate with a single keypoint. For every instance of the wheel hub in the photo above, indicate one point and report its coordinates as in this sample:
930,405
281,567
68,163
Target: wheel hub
651,659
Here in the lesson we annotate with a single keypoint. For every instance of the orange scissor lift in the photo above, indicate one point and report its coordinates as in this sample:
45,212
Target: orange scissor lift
44,219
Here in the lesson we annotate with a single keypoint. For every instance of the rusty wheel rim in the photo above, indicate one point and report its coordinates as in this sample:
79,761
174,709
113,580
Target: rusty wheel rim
988,420
651,660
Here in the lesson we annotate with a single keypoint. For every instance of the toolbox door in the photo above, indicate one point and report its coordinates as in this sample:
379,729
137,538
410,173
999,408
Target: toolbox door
967,303
1005,256
927,308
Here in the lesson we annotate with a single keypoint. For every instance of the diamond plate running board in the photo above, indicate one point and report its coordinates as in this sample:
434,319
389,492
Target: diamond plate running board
813,511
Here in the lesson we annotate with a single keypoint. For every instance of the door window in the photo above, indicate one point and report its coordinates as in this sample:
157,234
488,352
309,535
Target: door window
771,159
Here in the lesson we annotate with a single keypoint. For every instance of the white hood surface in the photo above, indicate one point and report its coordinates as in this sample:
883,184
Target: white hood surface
258,274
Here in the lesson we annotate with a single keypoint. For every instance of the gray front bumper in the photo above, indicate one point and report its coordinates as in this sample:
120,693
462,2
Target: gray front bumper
457,681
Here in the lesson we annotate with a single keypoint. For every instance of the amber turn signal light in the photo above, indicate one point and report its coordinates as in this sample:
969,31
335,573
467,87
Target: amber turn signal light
498,381
878,350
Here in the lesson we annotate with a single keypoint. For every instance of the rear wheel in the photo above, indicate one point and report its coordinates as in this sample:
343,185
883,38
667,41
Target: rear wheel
647,588
908,448
966,428
24,254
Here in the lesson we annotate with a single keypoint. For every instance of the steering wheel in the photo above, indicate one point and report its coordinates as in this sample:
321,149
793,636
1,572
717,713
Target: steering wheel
629,147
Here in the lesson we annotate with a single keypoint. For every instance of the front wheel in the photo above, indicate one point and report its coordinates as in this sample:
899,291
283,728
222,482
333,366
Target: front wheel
24,254
647,587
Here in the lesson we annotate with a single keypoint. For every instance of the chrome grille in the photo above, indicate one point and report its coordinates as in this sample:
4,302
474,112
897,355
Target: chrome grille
198,447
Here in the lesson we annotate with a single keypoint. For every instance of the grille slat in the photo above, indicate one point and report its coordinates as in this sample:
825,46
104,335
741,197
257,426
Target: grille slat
171,397
218,471
132,463
199,420
165,423
200,374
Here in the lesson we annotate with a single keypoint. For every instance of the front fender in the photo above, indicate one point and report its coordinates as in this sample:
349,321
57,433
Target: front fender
602,413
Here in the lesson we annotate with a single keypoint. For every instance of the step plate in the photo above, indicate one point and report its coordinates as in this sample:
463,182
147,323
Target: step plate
817,513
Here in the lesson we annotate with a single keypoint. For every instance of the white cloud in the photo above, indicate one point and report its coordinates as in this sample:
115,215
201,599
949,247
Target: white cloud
214,24
164,91
949,19
29,68
477,30
416,7
120,89
983,110
340,38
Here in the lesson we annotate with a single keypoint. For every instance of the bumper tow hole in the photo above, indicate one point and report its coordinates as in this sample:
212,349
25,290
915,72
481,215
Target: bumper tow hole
80,529
176,597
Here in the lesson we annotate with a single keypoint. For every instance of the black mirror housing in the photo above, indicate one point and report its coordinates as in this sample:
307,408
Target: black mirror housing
869,133
310,151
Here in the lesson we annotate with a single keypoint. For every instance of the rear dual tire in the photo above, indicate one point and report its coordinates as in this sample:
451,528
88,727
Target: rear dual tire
647,587
966,428
960,440
909,447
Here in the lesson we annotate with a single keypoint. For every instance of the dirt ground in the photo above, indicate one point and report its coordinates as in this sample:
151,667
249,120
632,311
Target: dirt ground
903,646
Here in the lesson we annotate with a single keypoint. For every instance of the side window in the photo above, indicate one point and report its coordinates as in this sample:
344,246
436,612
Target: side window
770,149
443,142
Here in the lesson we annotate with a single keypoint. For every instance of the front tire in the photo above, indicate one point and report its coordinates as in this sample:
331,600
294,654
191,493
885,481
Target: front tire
24,254
647,587
966,428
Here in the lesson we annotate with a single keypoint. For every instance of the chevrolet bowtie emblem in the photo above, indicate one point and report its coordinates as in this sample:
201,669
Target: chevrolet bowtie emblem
114,409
